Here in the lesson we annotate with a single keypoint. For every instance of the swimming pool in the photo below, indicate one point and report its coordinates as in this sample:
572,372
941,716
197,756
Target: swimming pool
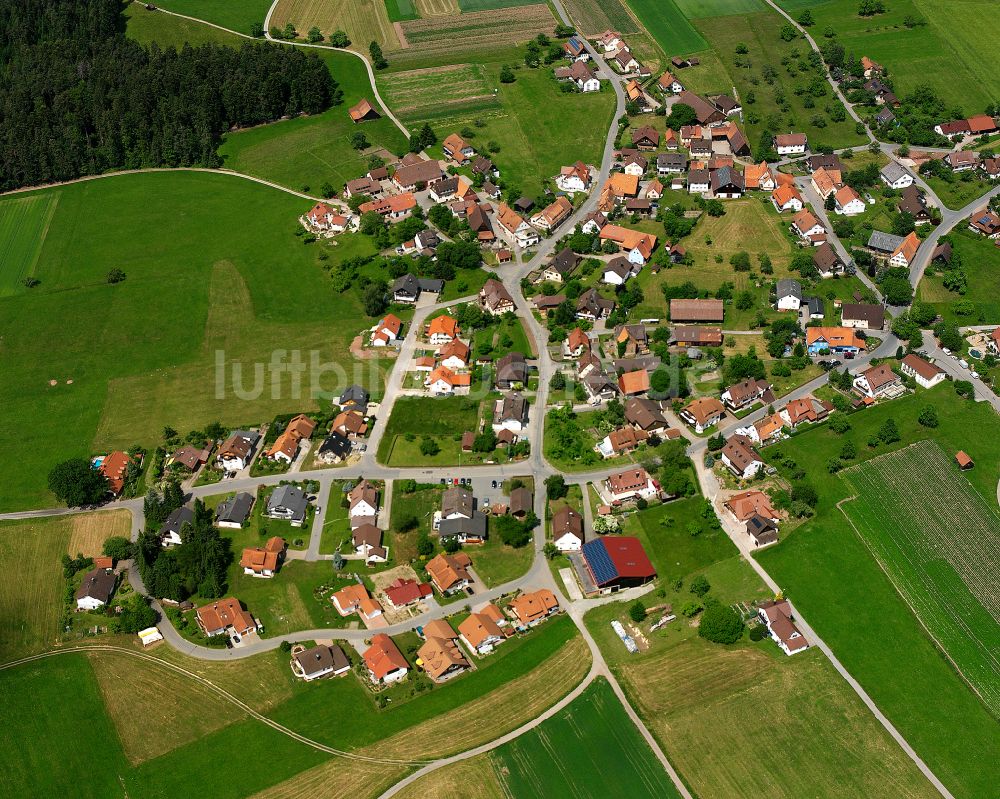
96,462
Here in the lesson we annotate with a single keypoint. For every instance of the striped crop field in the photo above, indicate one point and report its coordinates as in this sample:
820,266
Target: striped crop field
23,224
425,94
938,541
478,30
593,17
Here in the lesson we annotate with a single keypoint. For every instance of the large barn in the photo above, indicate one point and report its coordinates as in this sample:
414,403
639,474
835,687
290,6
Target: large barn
617,562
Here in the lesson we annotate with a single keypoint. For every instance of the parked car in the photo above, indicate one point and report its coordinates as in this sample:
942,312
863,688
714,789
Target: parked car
946,351
963,363
493,483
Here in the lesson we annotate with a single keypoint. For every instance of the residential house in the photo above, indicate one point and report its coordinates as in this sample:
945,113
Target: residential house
727,183
633,383
825,181
747,504
636,245
669,84
634,164
440,655
366,539
575,178
482,630
912,201
610,40
592,306
449,573
286,445
386,330
789,295
335,448
621,186
495,299
442,330
189,457
510,413
96,589
616,562
363,500
457,149
692,311
727,105
233,513
694,336
354,397
582,75
671,163
172,527
618,270
365,186
747,392
563,264
393,208
521,502
777,616
631,484
904,254
408,288
808,227
827,261
645,138
703,413
319,661
511,371
349,423
226,616
621,441
786,198
807,409
705,111
847,202
645,415
631,340
444,381
962,160
863,316
349,598
830,162
384,661
554,214
403,592
635,94
835,340
740,457
535,607
115,468
263,561
758,176
575,48
895,176
879,382
985,223
418,175
924,372
791,143
576,344
287,502
699,181
990,167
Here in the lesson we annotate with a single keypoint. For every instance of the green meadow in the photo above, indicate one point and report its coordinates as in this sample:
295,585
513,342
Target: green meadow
24,222
213,271
237,15
669,27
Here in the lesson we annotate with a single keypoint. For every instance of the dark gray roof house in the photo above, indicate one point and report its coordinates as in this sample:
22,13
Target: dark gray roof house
510,369
787,287
235,510
464,527
457,501
97,585
354,396
884,242
288,502
176,520
335,448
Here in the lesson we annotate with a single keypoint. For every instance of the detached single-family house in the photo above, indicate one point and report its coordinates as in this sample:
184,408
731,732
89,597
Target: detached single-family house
514,229
703,413
575,178
449,573
440,656
878,382
553,214
895,176
834,340
645,138
791,143
631,484
786,198
363,500
592,306
789,295
826,260
777,616
442,329
847,202
495,299
287,502
319,661
236,452
384,661
825,181
636,245
745,393
457,149
96,589
618,270
567,530
335,448
263,561
444,381
646,415
403,592
863,316
483,629
575,49
985,223
173,526
510,413
807,409
740,457
233,513
226,617
535,607
808,227
924,372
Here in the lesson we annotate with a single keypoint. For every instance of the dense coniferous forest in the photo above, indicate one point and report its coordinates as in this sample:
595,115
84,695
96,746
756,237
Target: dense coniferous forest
78,98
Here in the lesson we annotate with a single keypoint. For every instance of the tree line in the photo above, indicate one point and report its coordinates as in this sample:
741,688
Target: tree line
78,98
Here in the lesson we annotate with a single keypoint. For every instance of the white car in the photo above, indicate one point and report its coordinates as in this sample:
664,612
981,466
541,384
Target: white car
963,363
946,351
975,374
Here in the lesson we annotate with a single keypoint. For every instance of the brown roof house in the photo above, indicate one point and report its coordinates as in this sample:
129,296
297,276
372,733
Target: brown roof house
263,561
385,662
777,615
484,629
703,413
449,573
687,311
740,457
440,655
746,393
567,529
319,661
879,382
533,608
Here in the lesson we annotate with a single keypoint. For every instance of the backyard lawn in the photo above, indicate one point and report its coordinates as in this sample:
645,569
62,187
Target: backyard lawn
980,261
440,419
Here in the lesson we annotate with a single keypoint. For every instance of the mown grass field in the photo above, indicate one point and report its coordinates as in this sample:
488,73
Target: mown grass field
427,94
910,680
668,26
710,705
589,750
981,264
167,30
474,778
440,418
237,15
937,541
760,33
31,606
132,357
469,6
399,10
956,60
696,9
24,222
